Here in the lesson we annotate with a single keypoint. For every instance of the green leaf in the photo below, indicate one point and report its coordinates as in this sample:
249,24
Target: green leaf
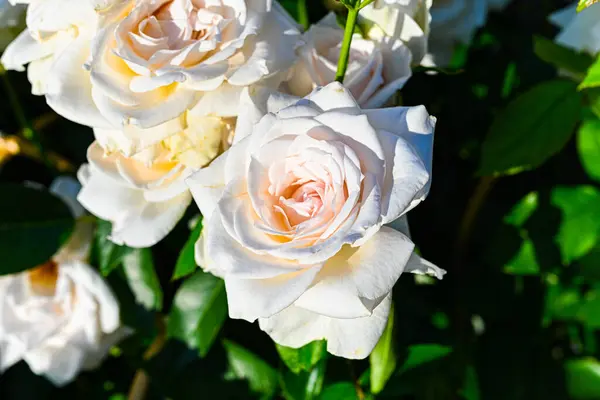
142,279
186,262
33,225
583,4
305,385
420,354
521,212
532,128
304,358
383,357
245,365
339,391
588,144
198,312
592,77
524,262
562,57
583,378
109,254
580,225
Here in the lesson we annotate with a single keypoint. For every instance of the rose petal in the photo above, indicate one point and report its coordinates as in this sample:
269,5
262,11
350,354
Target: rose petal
348,338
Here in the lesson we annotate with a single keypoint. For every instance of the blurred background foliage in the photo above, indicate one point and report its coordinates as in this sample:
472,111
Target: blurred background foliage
513,216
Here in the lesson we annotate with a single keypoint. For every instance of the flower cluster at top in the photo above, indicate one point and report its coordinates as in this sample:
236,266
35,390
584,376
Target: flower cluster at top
303,183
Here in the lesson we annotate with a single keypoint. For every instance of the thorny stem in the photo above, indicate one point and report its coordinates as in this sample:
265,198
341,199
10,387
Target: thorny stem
345,51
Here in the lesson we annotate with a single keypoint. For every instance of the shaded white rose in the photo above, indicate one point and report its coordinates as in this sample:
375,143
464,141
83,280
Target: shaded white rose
295,212
144,196
406,20
59,317
454,22
376,68
579,31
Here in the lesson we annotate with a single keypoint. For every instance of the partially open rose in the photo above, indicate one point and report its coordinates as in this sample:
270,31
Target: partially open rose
376,68
295,211
59,317
144,195
153,59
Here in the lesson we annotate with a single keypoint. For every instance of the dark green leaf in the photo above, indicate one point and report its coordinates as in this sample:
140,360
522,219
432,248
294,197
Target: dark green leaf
198,312
532,128
588,144
305,385
583,379
562,57
304,358
583,4
245,365
592,77
141,276
186,262
420,354
339,391
383,357
109,254
580,225
33,225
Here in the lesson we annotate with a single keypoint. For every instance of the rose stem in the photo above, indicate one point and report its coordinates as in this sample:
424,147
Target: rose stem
303,14
345,51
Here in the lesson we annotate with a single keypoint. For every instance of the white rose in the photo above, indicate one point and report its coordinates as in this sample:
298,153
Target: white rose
454,22
376,69
407,20
153,59
59,317
295,212
580,31
144,196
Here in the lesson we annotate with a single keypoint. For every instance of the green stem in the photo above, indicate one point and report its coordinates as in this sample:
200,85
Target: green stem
345,52
303,14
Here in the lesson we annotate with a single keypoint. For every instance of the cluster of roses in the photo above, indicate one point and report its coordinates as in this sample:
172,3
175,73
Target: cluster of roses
303,183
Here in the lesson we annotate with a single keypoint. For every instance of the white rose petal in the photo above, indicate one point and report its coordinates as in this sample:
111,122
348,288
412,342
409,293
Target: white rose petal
295,212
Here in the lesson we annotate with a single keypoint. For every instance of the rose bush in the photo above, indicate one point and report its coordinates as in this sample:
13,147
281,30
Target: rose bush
59,317
295,213
377,69
144,195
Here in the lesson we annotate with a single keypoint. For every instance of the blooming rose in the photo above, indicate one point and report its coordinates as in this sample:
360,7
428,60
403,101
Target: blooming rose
153,59
376,68
59,317
456,21
580,31
144,196
407,20
295,213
